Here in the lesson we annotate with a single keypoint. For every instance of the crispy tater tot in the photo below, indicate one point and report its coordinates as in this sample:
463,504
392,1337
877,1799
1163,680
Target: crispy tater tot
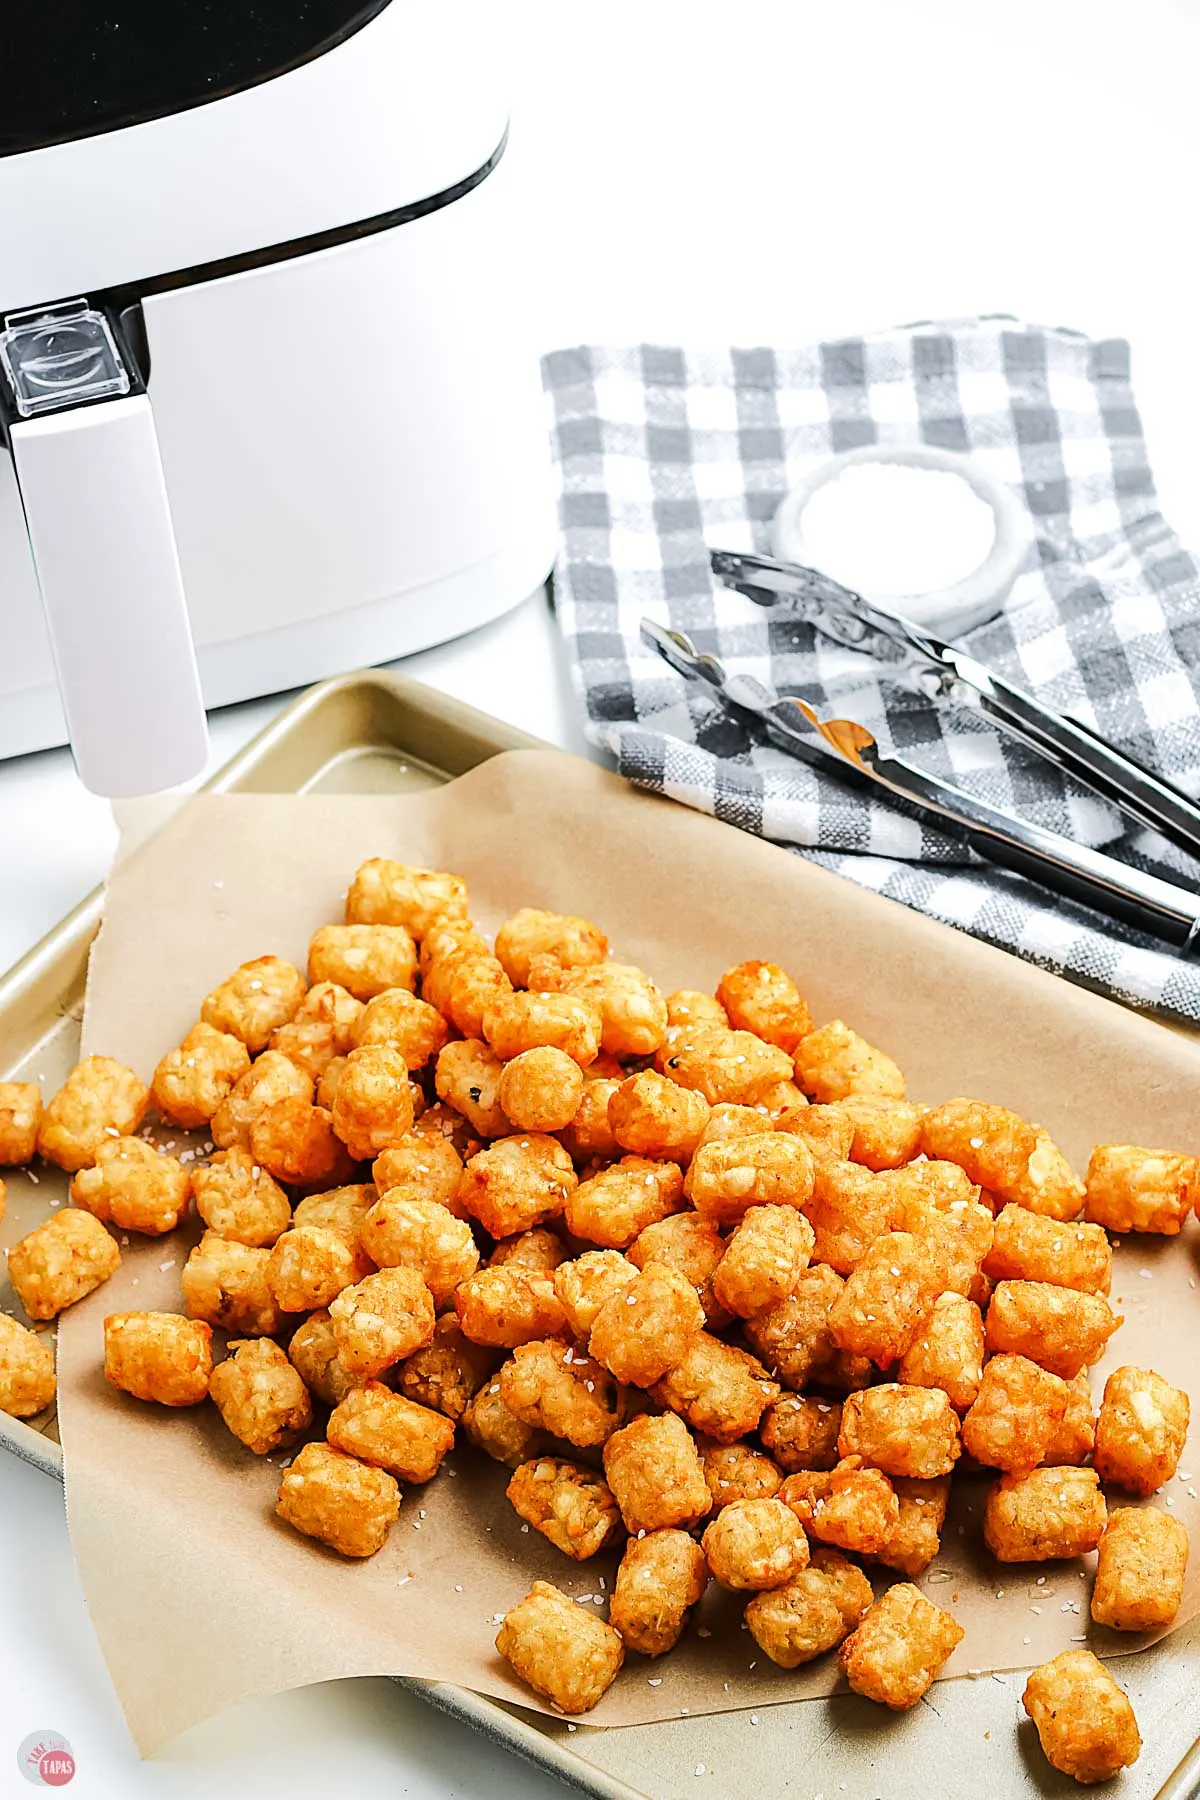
420,1235
516,1183
1084,1721
783,1104
651,1116
648,1326
887,1133
848,1210
539,1248
158,1356
239,1200
720,1390
760,997
568,1656
420,1168
725,1179
468,1079
190,1082
1029,1247
901,1430
547,1384
27,1380
373,1106
614,1207
225,1284
442,1121
572,942
956,1237
586,1284
1013,1419
492,1428
308,1267
917,1538
726,1066
383,1428
1049,1185
540,1090
446,934
20,1116
397,1018
795,1342
270,1078
381,1320
446,1373
727,1121
895,1654
940,1184
660,1577
654,1470
763,1260
801,1431
851,1506
736,1472
1140,1569
989,1143
347,1504
342,1210
99,1099
888,1295
812,1612
523,1021
947,1351
835,1061
260,1395
363,959
568,1504
508,1305
324,1025
66,1257
384,892
755,1544
133,1186
633,1014
1141,1430
1073,1438
257,998
467,987
1058,1327
1130,1189
296,1143
589,1135
694,1246
689,1007
1043,1515
828,1131
313,1353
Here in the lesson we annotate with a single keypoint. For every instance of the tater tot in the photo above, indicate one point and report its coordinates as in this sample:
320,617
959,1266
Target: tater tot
446,1373
763,1260
384,892
589,1135
947,1351
888,1295
651,1116
848,1210
568,1656
989,1143
158,1356
540,1090
568,1504
383,1428
801,1432
313,1353
694,1246
347,1504
660,1577
614,1207
784,1105
647,1327
895,1654
794,1339
237,1199
508,1305
397,1018
755,1544
689,1007
548,1385
270,1078
99,1099
1043,1515
225,1284
736,1472
296,1143
257,998
1140,1568
373,1106
20,1116
1130,1189
523,1021
654,1470
60,1261
539,1248
917,1538
309,1043
492,1428
586,1284
827,1130
720,1390
364,959
446,934
420,1235
726,1121
340,1209
727,1067
727,1178
260,1395
381,1320
1030,1247
134,1187
1141,1430
901,1430
956,1237
1049,1185
419,1168
1013,1419
468,1079
1084,1721
633,1014
572,942
887,1133
27,1380
441,1121
850,1506
1059,1328
308,1267
939,1184
1073,1438
190,1082
835,1061
812,1612
517,1182
762,998
467,987
324,1026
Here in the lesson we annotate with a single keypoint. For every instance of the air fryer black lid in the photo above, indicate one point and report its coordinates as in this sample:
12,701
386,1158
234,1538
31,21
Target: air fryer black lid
83,66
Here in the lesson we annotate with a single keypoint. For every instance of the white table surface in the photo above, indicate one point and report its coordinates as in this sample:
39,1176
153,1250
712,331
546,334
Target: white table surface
766,172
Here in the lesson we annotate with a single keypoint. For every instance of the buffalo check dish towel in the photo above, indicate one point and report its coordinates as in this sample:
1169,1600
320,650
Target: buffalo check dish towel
664,452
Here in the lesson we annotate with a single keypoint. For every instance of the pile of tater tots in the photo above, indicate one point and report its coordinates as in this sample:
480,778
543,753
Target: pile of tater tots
693,1267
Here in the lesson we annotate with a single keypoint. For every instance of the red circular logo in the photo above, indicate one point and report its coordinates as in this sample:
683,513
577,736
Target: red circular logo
46,1759
56,1767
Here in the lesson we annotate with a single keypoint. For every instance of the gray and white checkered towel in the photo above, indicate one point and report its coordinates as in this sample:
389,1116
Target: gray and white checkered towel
664,451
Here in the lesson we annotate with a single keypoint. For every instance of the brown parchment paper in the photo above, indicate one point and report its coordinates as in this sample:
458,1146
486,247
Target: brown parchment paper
199,1595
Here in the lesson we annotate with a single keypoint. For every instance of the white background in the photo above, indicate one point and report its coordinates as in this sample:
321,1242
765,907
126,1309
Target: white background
698,170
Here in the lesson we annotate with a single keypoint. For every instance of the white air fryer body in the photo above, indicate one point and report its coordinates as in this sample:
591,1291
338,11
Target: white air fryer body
348,409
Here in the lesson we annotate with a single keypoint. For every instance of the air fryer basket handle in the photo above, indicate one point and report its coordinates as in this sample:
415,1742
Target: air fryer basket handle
100,530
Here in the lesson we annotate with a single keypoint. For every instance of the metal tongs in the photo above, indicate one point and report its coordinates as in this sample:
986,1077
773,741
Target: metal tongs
1082,874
